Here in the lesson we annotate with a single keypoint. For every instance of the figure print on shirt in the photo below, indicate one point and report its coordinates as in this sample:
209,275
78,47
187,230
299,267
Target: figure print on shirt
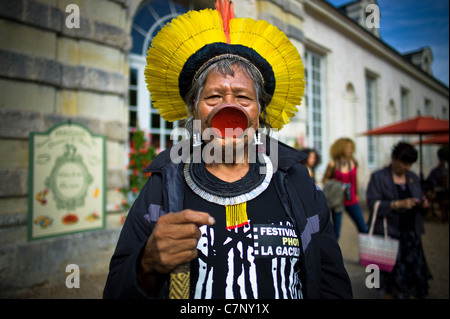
240,254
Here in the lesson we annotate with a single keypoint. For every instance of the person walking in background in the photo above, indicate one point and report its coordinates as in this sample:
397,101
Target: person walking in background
436,184
311,161
343,168
438,176
403,204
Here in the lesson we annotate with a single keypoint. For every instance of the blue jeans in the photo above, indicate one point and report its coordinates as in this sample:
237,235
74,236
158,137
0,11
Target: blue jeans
355,213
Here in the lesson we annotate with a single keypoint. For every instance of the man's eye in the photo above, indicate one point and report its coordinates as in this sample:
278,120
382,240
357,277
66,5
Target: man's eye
244,100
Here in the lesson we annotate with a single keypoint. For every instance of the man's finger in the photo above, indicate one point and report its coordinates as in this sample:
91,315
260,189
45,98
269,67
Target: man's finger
178,231
190,216
178,246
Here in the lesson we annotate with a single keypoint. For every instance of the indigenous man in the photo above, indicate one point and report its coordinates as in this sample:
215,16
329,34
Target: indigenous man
236,216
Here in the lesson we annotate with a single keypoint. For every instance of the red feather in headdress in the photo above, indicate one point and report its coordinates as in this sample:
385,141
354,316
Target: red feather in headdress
226,9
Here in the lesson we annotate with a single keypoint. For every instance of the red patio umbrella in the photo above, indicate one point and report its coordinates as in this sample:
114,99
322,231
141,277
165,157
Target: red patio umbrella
442,139
415,125
420,125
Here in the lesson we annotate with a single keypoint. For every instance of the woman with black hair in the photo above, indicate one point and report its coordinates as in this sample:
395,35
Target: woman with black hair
311,161
403,204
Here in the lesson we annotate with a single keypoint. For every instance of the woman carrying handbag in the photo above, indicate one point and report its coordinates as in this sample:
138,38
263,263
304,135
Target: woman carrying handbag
403,205
343,168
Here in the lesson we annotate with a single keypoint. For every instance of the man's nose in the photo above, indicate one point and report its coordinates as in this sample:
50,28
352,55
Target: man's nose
229,98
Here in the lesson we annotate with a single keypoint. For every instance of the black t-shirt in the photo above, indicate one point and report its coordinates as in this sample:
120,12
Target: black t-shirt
258,260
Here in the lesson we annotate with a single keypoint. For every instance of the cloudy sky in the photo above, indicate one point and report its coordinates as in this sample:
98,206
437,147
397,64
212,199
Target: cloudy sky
407,25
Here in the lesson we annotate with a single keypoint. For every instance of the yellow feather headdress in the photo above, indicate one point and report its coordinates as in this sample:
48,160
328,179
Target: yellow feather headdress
195,32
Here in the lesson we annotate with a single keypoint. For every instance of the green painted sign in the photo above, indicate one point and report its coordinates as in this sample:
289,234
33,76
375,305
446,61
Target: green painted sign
67,188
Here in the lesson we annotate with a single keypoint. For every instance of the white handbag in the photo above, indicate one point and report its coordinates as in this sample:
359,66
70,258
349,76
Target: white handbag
380,250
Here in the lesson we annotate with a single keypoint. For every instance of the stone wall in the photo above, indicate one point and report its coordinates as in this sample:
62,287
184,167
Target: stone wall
52,73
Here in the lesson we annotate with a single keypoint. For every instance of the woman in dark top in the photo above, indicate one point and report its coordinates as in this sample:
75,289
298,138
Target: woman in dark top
403,203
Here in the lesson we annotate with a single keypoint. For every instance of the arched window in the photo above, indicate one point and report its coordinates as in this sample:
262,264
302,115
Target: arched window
151,16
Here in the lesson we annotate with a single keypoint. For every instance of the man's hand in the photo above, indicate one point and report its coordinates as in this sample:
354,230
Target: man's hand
409,203
425,203
173,241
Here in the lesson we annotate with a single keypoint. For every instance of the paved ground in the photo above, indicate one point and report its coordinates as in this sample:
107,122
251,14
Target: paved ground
436,247
435,242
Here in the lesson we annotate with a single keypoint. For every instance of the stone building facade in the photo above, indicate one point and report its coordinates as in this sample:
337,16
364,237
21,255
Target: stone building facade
53,70
365,83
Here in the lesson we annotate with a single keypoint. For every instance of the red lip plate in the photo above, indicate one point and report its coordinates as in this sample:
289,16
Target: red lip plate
229,118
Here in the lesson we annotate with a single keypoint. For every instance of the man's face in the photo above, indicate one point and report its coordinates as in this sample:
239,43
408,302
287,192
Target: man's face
238,91
399,167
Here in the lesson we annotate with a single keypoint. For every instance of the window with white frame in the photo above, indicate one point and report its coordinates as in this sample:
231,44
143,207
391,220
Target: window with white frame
314,70
371,102
149,19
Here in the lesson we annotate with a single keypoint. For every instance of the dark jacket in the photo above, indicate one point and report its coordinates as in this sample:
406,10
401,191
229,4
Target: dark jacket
322,275
381,187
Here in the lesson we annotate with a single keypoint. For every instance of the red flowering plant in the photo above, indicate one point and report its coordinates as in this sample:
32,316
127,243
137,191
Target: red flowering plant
141,155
